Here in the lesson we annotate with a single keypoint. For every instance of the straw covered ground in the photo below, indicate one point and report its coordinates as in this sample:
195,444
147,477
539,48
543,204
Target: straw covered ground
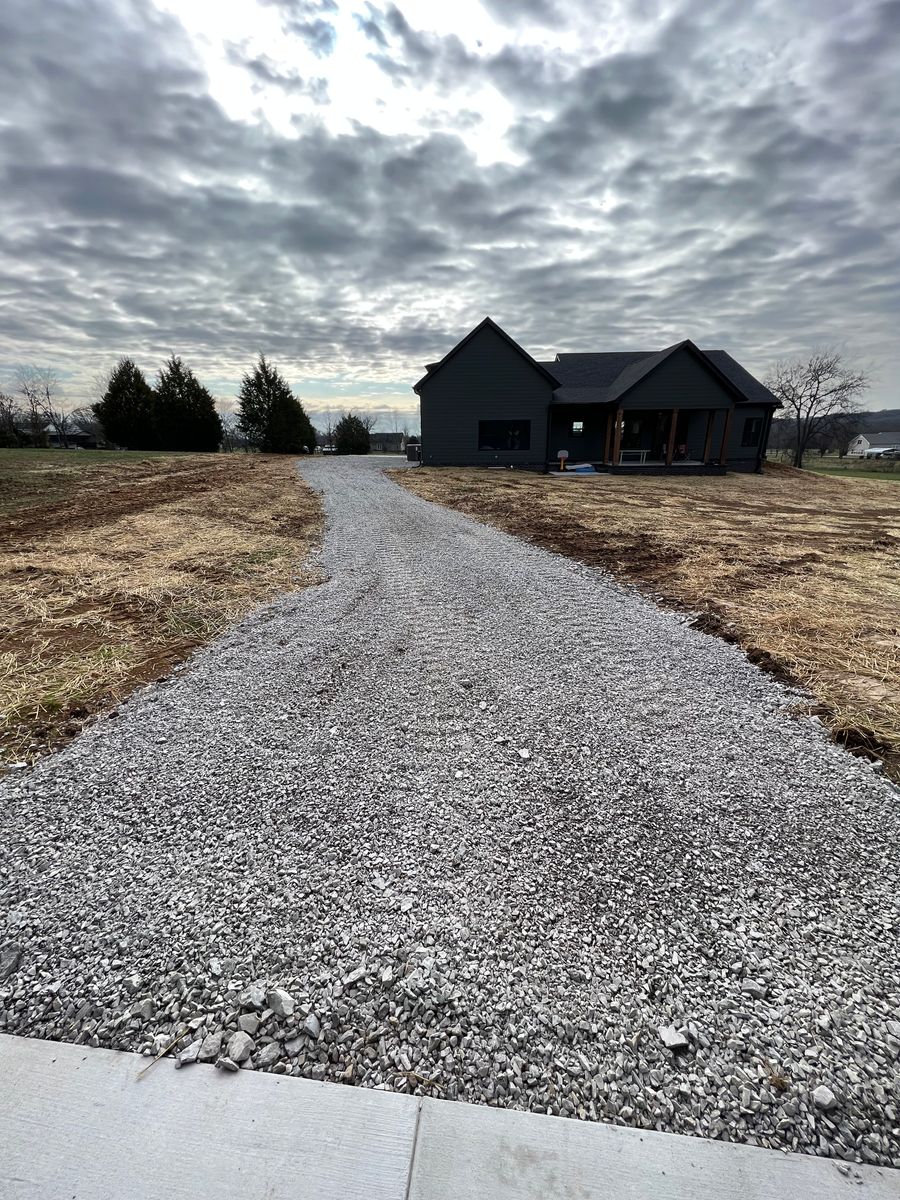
799,569
114,567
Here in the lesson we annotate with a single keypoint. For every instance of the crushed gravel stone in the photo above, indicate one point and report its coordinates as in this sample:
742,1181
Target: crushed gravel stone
473,821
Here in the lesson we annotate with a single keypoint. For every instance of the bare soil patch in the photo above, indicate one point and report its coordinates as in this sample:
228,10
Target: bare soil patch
801,570
113,569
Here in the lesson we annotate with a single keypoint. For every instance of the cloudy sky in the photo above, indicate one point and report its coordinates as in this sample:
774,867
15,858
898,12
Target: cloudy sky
349,187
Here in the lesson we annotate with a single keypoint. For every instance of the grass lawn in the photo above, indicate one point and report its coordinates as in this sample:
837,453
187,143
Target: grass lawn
857,473
882,470
37,476
115,566
800,568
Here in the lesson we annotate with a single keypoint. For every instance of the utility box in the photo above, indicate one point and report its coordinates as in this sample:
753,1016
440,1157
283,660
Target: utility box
413,452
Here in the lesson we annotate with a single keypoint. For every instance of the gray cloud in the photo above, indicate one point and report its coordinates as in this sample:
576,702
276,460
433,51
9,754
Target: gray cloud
267,73
729,174
308,19
408,56
512,12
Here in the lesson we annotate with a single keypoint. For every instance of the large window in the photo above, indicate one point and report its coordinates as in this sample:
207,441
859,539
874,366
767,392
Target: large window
752,431
504,435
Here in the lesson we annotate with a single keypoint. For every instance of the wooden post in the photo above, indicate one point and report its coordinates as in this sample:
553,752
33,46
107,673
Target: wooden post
707,445
723,453
617,440
608,436
670,444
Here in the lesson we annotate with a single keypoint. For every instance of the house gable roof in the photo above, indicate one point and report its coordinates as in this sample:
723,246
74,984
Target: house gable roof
892,438
487,323
605,378
637,371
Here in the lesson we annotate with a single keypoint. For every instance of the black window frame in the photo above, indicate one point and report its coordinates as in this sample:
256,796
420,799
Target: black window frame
504,437
750,440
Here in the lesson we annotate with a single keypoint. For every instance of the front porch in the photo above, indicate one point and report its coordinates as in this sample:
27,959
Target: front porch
640,440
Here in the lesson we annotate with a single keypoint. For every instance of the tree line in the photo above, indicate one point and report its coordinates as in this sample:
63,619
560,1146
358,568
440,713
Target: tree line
177,413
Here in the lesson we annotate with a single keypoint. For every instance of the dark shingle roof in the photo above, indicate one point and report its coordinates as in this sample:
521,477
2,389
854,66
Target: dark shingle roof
592,370
741,378
609,376
883,439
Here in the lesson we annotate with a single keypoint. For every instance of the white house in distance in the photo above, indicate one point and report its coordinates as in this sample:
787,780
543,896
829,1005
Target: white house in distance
869,445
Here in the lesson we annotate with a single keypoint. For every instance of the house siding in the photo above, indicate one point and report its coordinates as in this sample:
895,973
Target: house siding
487,380
679,382
745,458
589,446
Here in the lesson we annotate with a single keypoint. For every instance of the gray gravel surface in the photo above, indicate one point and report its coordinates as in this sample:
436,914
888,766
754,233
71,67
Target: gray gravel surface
472,820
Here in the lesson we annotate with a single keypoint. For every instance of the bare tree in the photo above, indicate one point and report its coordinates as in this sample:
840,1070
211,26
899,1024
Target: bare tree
99,385
33,420
12,420
328,432
84,421
233,437
815,392
834,433
39,387
368,419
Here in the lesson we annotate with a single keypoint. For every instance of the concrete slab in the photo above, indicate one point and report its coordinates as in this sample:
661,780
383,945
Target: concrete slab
77,1122
464,1151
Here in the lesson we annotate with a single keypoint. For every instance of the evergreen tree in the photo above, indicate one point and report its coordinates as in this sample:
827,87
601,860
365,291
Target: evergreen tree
127,411
270,415
186,412
351,435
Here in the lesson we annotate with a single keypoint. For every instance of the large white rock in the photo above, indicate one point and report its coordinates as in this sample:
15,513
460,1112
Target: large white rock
282,1003
672,1038
240,1046
824,1098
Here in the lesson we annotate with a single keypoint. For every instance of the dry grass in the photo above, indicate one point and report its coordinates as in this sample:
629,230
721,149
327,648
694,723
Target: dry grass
114,568
800,569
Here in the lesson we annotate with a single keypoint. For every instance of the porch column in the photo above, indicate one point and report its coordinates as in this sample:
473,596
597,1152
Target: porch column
670,444
707,445
723,452
617,440
608,436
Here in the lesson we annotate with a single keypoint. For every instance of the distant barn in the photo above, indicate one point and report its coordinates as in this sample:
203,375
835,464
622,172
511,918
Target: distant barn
873,445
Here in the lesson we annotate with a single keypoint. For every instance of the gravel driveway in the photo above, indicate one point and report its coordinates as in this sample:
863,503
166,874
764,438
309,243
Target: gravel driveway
491,822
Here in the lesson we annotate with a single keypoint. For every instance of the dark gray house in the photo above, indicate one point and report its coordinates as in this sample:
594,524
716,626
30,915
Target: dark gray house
488,402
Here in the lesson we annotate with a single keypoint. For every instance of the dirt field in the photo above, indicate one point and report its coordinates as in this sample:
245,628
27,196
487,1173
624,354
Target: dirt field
114,567
800,569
